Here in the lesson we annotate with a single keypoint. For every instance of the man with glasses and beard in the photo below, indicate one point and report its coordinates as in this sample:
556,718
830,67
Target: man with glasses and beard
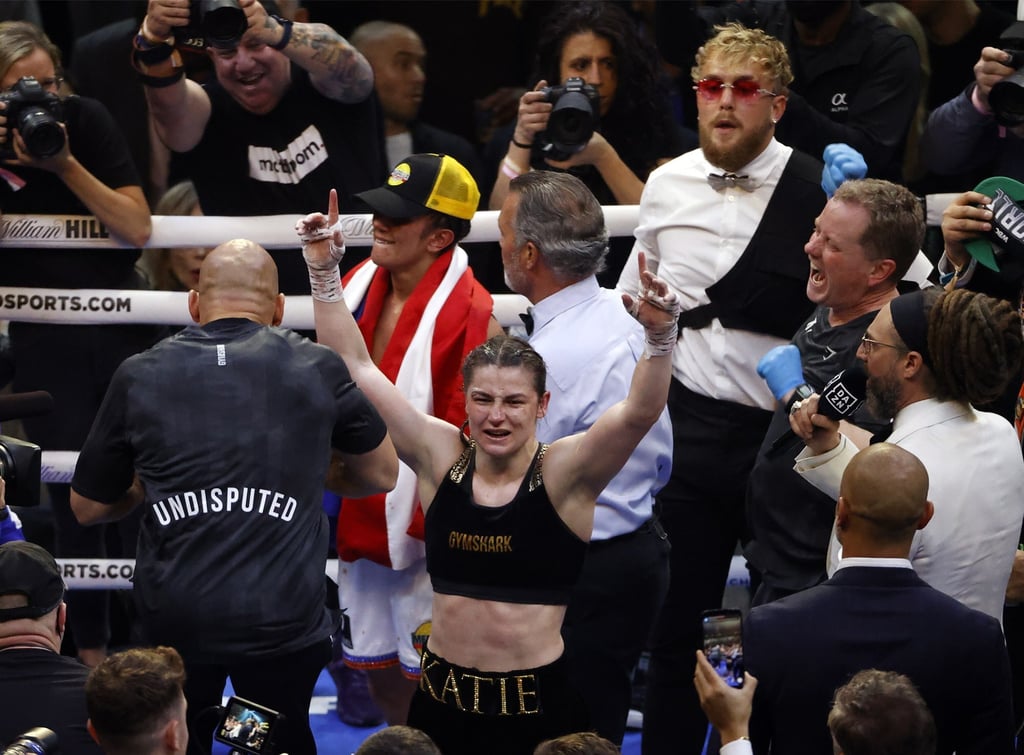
725,226
929,356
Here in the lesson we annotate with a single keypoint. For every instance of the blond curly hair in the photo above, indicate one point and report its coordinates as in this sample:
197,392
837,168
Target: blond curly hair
735,42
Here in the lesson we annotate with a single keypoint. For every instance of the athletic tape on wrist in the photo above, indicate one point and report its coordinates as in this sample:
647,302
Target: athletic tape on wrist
325,284
661,342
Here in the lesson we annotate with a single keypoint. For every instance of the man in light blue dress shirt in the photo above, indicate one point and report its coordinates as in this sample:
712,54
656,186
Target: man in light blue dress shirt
553,243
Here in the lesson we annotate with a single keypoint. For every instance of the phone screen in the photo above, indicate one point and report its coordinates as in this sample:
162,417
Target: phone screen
723,644
246,726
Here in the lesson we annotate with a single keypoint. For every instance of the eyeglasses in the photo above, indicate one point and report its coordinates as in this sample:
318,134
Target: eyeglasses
744,90
870,343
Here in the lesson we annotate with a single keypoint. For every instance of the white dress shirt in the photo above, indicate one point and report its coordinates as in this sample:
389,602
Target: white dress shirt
875,563
737,747
591,345
976,483
692,236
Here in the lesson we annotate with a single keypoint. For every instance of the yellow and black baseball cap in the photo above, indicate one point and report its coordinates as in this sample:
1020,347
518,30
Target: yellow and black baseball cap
425,182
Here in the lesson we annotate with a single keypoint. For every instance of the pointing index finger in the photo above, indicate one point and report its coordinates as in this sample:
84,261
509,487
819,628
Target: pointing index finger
332,208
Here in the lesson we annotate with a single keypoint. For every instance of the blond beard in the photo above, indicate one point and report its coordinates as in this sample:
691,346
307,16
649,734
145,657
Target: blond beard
737,155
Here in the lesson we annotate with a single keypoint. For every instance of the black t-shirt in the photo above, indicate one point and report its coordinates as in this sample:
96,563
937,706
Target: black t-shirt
229,427
41,688
861,89
790,519
287,160
97,143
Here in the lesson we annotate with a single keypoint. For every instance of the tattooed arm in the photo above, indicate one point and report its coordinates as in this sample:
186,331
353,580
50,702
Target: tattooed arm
181,108
335,67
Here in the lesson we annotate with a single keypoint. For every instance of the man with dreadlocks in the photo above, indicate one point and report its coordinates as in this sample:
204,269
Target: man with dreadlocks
929,355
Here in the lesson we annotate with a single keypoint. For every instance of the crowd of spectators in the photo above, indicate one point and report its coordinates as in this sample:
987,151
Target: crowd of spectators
720,121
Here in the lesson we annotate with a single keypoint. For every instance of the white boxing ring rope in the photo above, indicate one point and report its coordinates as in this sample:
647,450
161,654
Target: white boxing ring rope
270,231
102,306
117,573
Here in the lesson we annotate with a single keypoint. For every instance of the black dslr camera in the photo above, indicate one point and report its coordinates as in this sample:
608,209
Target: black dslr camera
1007,96
37,741
37,114
21,462
20,467
573,119
212,23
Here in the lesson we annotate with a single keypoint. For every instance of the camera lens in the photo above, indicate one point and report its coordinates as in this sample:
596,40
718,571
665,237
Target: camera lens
571,121
37,741
41,133
1007,99
223,23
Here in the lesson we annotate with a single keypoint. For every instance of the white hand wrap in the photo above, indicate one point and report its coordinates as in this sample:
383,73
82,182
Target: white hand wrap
659,341
324,276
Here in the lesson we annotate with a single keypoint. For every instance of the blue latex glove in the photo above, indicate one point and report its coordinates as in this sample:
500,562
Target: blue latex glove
842,162
781,369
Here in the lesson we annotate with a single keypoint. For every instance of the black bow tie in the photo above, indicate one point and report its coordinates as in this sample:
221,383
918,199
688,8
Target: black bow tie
527,319
721,181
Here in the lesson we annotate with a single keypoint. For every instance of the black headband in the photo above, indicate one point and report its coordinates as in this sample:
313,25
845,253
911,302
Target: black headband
911,323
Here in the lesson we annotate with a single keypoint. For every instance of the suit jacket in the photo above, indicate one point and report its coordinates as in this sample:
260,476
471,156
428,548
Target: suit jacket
803,647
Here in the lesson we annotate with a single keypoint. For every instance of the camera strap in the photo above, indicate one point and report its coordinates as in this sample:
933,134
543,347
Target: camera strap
148,55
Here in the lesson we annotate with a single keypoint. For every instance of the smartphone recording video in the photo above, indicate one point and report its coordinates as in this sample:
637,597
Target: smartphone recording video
723,643
247,727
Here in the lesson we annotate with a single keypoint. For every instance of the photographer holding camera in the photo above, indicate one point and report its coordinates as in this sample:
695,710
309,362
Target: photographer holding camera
38,685
289,117
618,123
67,156
974,133
30,85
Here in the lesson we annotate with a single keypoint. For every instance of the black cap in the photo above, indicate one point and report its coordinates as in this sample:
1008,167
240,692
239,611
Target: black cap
28,569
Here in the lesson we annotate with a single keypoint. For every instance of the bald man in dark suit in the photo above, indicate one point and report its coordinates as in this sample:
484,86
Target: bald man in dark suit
875,612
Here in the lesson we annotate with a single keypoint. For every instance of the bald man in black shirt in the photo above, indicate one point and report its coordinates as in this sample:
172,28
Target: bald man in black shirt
224,431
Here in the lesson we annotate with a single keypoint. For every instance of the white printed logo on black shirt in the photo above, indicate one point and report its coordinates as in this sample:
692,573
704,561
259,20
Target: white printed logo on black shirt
302,156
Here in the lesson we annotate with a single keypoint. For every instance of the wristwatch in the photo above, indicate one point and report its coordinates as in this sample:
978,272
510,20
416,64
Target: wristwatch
801,392
286,36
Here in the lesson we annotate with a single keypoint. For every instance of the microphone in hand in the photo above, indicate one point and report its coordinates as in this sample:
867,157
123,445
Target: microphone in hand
839,399
844,393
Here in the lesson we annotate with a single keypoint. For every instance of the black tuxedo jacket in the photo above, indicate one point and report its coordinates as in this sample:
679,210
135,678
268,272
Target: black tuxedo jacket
803,647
